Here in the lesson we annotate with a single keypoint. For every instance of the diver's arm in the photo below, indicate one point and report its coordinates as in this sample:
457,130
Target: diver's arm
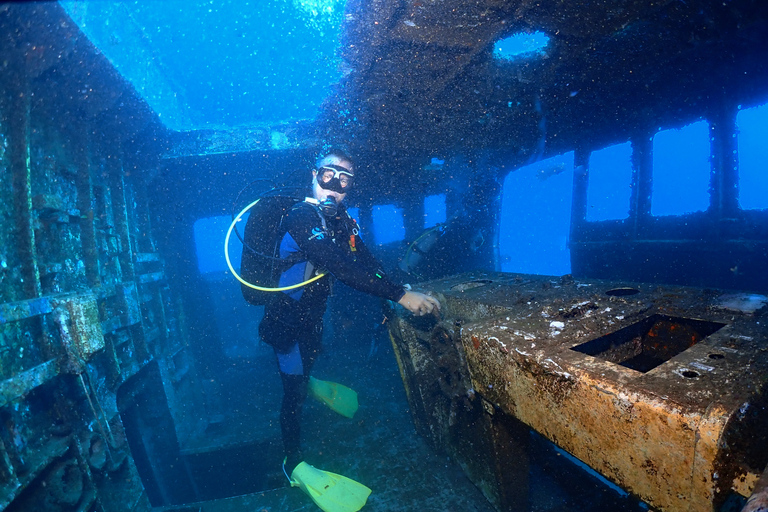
366,257
415,302
307,230
419,303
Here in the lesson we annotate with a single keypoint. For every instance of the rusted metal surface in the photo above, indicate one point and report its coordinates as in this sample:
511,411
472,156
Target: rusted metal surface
77,319
15,311
670,405
286,136
24,382
758,502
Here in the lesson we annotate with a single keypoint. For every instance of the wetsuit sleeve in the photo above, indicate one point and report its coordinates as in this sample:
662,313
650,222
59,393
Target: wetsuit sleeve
306,228
366,258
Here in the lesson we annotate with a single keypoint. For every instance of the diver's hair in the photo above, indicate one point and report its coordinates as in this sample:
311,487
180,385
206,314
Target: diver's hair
332,153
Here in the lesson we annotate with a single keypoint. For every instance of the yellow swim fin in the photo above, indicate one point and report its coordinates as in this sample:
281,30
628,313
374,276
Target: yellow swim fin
336,396
331,492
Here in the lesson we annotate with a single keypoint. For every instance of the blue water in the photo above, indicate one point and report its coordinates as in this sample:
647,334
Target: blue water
227,62
535,217
752,124
610,176
681,170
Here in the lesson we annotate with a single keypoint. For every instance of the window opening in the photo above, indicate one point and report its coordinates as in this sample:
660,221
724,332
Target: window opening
434,210
197,68
536,216
523,44
610,177
681,170
388,224
435,164
752,124
209,244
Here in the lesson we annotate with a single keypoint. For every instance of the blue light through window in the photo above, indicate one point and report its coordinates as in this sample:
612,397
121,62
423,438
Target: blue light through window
388,224
209,243
204,63
681,170
610,176
535,217
434,210
752,126
522,44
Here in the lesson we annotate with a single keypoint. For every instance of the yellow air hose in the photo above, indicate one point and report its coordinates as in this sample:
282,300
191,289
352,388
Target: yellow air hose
237,276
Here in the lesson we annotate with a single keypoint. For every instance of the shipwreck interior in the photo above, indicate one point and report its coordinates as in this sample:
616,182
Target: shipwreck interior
132,377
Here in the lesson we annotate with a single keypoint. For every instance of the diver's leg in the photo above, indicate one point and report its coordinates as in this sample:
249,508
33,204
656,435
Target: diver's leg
295,367
295,390
294,394
311,345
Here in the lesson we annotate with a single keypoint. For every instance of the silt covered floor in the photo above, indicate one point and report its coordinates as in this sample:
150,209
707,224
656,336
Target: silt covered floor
379,447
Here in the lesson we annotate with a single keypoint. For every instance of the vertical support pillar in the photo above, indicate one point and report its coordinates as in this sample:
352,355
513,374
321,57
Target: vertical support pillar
366,220
579,197
145,241
482,204
642,184
19,156
85,204
724,191
413,214
120,210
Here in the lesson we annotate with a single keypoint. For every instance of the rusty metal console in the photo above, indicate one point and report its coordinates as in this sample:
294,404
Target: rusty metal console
660,389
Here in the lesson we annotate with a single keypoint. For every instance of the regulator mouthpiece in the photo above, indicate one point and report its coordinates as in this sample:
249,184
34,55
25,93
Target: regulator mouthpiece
329,207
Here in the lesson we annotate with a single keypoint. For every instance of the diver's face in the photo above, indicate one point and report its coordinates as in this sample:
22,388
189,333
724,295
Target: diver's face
320,193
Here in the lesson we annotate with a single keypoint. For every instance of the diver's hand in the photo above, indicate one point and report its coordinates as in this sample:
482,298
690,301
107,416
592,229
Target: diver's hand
419,303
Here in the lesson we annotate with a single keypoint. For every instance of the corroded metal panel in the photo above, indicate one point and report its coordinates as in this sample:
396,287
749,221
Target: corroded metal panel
79,327
491,449
660,389
74,320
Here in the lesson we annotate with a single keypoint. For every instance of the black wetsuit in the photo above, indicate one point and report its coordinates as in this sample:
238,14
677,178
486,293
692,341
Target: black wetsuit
293,322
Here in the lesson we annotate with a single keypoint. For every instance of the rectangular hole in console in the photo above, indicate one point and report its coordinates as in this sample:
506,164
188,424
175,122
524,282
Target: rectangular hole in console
648,343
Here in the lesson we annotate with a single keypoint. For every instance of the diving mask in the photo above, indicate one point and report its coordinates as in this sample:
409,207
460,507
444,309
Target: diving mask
335,178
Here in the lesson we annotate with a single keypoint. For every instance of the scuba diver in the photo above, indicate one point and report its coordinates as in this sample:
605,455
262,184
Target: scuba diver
320,236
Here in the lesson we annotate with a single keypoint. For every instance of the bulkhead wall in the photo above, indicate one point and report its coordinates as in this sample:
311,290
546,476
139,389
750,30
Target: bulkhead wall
85,304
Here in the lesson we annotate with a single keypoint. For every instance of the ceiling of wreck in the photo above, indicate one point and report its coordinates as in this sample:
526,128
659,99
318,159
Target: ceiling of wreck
422,80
